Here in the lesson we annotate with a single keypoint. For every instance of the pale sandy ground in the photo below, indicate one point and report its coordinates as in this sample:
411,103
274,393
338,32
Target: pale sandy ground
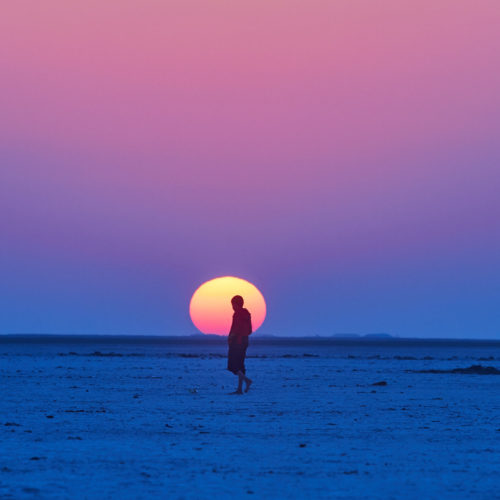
160,425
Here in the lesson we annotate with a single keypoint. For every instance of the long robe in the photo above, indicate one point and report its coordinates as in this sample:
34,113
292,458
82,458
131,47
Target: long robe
241,328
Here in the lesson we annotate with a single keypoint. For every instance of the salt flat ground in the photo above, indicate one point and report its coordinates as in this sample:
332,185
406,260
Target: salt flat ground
133,420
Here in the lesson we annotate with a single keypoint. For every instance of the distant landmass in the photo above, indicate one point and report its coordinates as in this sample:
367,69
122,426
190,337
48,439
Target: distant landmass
378,336
350,336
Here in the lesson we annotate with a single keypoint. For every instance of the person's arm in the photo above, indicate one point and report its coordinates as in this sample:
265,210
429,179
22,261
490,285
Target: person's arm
231,334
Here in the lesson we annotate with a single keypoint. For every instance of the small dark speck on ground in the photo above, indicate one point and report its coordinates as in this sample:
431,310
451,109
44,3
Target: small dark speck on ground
381,383
31,490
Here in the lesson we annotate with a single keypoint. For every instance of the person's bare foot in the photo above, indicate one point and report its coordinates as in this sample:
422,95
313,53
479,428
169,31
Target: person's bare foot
236,392
248,384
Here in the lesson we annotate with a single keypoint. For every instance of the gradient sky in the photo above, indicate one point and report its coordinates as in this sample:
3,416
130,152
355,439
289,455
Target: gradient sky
342,155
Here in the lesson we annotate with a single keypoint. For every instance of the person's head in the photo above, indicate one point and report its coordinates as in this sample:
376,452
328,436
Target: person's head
237,302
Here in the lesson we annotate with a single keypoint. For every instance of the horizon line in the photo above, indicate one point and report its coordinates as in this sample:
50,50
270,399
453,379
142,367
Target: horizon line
339,336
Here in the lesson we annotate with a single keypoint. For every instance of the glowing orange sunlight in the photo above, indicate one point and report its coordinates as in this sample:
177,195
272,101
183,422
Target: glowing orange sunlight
210,306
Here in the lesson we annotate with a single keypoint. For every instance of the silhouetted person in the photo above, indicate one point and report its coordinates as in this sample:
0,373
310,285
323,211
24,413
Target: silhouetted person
241,328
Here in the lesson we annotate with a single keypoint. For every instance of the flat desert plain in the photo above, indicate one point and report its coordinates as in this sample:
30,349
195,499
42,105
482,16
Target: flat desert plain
141,418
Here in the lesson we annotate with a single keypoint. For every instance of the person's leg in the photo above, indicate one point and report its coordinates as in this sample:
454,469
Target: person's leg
243,378
248,383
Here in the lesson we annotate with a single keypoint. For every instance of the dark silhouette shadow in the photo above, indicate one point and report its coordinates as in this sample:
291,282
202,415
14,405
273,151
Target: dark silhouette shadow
241,328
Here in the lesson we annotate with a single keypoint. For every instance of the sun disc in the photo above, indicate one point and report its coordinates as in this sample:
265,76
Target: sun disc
210,307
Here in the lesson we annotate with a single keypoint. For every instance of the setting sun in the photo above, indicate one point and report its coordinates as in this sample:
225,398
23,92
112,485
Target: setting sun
210,308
